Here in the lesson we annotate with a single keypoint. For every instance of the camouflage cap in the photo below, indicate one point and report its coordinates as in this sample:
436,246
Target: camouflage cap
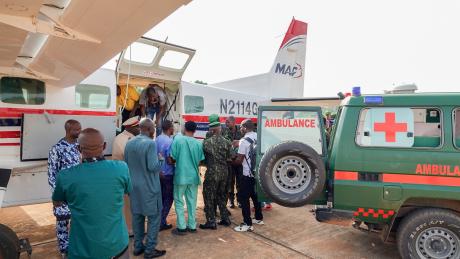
214,120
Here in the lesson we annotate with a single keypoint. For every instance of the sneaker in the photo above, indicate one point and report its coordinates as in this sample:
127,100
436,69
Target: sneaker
225,222
165,227
243,228
154,254
191,230
138,252
258,222
209,225
267,207
179,232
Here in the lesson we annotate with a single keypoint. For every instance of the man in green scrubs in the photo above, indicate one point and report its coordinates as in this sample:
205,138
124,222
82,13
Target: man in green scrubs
187,152
94,191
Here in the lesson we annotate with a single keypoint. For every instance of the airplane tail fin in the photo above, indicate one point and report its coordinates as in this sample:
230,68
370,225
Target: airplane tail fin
288,71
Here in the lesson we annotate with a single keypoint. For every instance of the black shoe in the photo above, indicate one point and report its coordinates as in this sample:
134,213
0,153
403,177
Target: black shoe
165,227
179,232
191,230
208,225
225,222
155,253
138,252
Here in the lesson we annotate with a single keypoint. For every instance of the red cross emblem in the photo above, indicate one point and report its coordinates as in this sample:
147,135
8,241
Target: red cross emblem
390,127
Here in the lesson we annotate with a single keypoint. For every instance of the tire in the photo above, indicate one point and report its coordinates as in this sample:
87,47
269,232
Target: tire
292,174
429,233
9,243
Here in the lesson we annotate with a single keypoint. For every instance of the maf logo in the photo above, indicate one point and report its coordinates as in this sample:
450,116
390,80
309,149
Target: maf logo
295,71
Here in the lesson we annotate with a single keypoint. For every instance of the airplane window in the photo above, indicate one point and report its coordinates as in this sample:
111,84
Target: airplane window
141,53
174,59
92,96
19,90
193,104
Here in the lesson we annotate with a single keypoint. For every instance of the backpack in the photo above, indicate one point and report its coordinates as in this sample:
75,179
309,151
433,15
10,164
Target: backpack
252,155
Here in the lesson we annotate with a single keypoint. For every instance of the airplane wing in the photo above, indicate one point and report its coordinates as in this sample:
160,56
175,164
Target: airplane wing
64,41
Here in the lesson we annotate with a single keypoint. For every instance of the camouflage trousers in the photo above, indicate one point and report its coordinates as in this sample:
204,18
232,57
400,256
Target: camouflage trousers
215,195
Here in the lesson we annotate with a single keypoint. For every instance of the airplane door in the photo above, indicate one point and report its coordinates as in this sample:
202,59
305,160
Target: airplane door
148,60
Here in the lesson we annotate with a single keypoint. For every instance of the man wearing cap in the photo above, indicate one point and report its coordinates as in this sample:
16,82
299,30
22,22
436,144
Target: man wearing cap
118,153
217,151
131,130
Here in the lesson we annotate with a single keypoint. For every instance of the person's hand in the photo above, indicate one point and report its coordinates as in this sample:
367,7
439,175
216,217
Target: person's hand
235,143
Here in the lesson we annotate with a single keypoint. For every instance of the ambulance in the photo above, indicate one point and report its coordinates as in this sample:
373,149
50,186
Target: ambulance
391,168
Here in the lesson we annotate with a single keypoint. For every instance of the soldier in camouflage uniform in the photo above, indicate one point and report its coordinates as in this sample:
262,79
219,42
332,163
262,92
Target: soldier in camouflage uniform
232,132
217,153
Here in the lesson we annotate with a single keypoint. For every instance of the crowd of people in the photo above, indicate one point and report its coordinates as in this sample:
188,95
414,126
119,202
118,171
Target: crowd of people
103,199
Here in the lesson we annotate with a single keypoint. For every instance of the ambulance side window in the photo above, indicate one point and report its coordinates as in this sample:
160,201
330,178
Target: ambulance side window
193,104
22,91
92,96
457,127
399,127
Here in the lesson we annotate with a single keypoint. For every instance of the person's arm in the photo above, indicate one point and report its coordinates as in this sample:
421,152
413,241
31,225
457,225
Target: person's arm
53,167
128,186
143,101
153,164
241,153
133,112
59,196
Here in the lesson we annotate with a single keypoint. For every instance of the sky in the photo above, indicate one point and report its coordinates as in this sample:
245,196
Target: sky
372,44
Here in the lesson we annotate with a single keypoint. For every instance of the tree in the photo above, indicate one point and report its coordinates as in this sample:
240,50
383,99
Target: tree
200,82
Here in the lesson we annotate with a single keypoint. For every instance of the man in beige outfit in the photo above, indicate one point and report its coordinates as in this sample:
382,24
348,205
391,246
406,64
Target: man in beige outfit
118,153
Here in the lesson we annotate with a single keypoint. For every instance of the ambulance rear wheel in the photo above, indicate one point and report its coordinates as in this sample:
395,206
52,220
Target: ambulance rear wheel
429,233
9,243
292,174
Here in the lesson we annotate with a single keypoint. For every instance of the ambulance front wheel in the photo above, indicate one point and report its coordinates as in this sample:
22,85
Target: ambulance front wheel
292,174
9,243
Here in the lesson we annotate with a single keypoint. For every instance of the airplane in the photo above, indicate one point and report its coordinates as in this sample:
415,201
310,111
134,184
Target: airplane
190,101
49,59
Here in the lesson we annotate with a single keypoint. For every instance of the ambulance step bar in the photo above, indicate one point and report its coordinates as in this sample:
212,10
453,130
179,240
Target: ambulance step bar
335,217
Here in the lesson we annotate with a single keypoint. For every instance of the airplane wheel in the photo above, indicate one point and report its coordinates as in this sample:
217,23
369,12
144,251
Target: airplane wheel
292,174
9,243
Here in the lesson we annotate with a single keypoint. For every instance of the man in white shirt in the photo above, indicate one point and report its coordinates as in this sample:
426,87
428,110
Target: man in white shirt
118,153
247,181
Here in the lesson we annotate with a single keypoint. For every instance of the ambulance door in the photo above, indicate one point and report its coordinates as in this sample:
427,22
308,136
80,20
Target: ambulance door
149,61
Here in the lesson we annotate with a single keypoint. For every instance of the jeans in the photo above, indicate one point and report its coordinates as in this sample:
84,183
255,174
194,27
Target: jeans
153,226
248,191
167,188
190,192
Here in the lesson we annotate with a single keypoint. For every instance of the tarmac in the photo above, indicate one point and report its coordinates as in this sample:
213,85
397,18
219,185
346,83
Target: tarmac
287,233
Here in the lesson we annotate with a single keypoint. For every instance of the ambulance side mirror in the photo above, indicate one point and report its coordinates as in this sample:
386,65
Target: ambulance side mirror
366,134
410,134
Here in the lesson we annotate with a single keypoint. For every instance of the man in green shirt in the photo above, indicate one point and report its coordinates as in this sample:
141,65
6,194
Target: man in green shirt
187,152
94,191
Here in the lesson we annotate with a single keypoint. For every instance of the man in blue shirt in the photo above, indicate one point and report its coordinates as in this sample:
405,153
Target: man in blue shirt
167,171
144,167
63,155
94,191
